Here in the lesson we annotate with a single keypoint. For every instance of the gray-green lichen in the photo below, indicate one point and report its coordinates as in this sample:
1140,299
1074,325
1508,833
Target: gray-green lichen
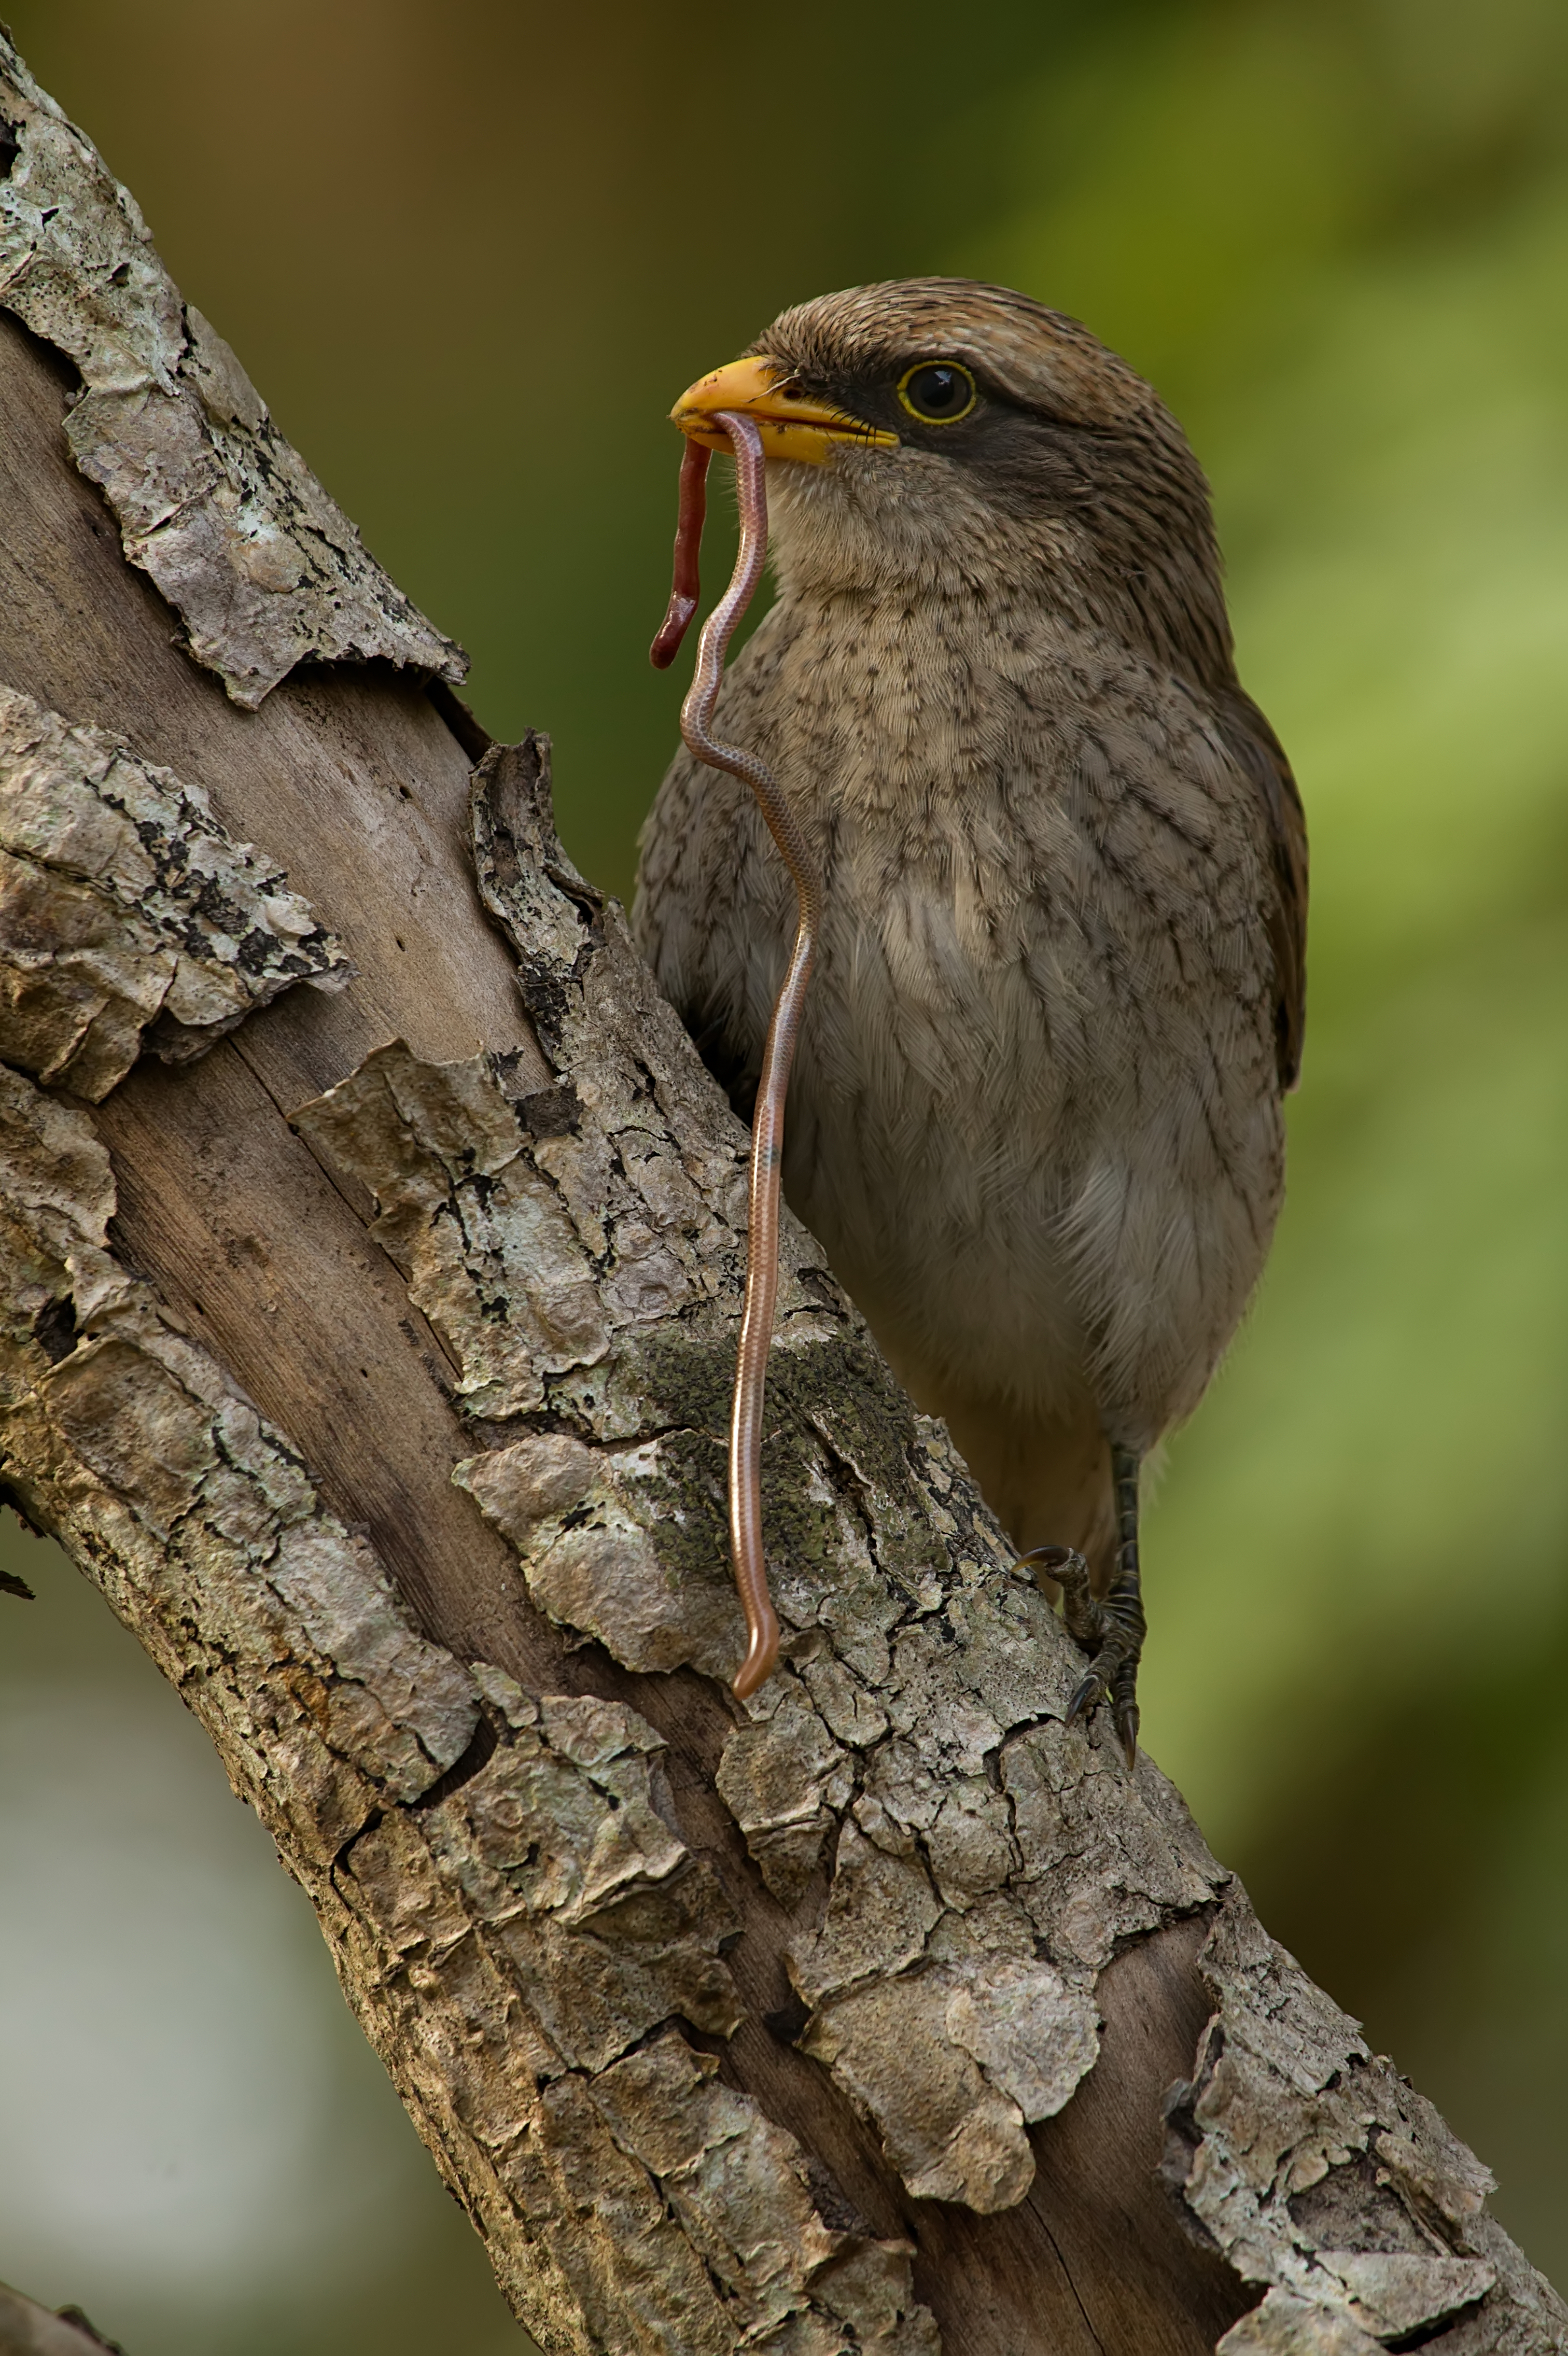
262,568
127,914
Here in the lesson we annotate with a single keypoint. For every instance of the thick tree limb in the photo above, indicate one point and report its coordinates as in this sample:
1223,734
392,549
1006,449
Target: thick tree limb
28,2329
375,1366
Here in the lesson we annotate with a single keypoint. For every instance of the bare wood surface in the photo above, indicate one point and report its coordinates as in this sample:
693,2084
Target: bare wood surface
693,2090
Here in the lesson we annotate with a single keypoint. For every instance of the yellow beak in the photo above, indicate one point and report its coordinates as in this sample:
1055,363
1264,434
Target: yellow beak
790,423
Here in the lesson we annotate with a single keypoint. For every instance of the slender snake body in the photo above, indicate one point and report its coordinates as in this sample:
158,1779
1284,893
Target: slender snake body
784,1030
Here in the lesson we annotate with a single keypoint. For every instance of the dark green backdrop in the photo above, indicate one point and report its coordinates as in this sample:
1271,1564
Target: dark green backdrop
470,255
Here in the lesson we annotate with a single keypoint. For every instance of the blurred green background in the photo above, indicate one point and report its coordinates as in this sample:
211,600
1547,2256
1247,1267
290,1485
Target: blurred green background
470,256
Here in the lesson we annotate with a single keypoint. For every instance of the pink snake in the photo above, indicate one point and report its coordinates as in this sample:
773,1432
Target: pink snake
784,1030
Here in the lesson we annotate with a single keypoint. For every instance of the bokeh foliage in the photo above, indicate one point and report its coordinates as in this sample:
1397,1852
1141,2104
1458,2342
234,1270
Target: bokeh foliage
470,256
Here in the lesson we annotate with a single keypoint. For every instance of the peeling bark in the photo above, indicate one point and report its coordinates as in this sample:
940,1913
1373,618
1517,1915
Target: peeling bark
125,910
28,2329
390,1413
262,568
524,1941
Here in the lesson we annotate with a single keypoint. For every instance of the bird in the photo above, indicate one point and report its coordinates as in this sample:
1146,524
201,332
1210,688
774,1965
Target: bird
1035,1117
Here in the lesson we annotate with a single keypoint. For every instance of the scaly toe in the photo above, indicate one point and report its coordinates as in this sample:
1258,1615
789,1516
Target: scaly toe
1082,1612
1053,1559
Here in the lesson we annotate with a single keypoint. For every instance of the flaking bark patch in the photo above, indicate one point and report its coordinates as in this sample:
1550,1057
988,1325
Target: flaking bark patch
262,568
1286,2326
127,914
597,1552
478,1227
518,1949
1318,2169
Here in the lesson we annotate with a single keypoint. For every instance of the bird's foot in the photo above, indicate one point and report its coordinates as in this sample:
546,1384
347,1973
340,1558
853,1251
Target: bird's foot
1110,1628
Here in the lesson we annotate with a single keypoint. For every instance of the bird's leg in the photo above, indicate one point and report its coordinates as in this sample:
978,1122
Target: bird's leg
1115,1669
1111,1626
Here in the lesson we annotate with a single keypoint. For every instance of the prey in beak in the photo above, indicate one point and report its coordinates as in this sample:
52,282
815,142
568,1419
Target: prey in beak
1027,736
792,425
755,410
741,431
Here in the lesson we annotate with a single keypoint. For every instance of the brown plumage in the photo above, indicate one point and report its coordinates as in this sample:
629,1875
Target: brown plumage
1036,1115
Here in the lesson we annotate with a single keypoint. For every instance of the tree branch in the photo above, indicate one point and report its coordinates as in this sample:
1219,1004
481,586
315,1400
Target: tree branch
28,2329
374,1363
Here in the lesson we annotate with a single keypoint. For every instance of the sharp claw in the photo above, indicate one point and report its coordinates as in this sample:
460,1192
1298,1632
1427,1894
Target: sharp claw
1053,1559
1084,1699
1110,1630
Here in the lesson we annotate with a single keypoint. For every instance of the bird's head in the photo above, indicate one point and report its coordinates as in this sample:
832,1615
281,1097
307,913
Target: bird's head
937,433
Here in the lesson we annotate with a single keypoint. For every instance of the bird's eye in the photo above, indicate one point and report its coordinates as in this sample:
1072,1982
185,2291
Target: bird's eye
938,392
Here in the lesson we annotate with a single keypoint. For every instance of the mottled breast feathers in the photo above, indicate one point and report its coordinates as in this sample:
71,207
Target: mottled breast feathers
1035,1117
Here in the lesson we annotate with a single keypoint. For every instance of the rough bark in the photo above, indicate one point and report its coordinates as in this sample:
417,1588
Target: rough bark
28,2329
373,1361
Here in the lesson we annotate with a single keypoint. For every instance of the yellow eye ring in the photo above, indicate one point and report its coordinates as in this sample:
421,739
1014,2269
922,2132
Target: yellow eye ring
950,381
